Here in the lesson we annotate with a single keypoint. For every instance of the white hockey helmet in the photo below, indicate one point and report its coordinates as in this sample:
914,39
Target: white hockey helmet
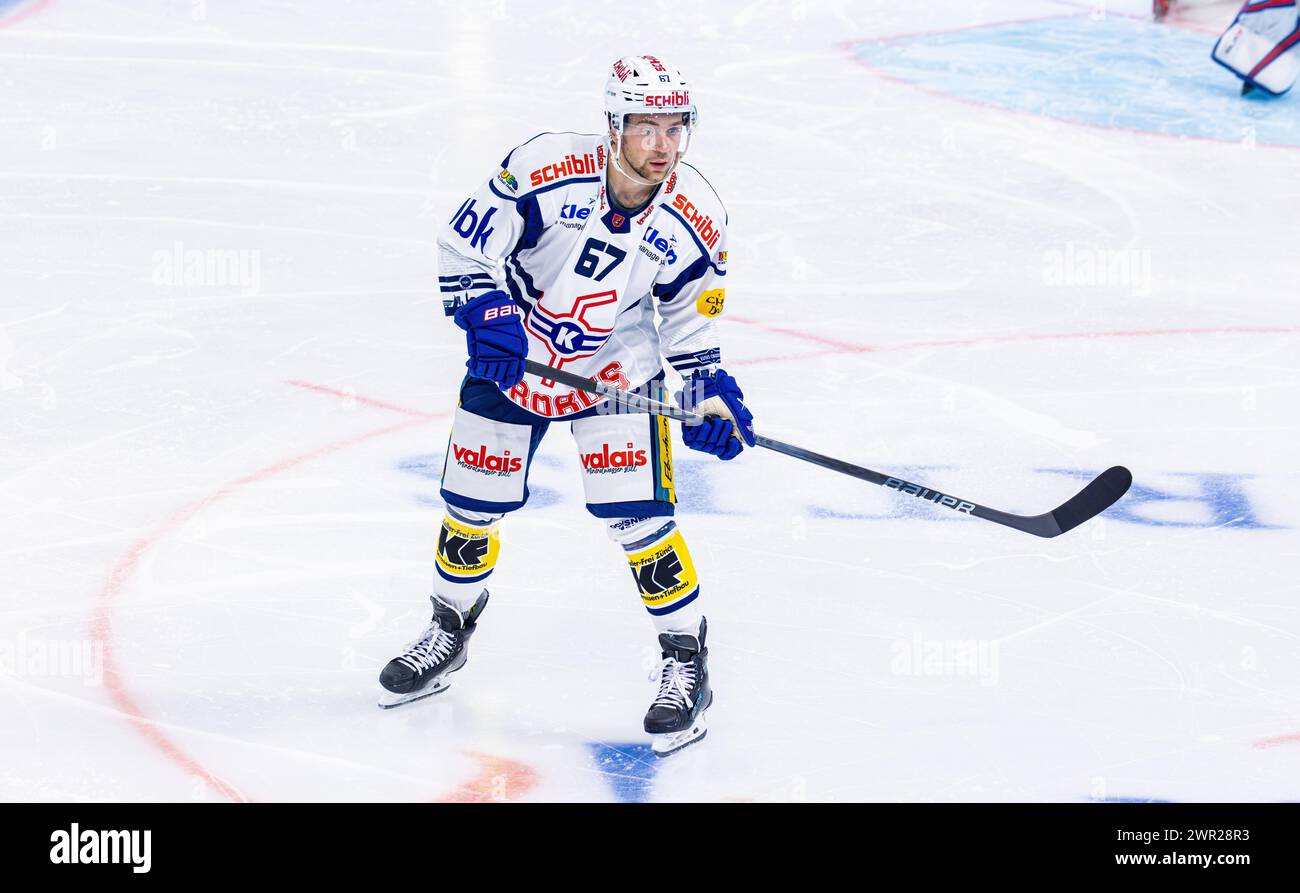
647,85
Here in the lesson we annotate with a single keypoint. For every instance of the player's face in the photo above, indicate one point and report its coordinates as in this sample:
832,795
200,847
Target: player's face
651,144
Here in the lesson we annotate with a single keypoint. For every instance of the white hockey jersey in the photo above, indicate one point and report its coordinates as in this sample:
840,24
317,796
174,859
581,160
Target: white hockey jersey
590,276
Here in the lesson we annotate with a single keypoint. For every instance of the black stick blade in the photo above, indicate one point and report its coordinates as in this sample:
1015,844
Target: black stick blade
1103,492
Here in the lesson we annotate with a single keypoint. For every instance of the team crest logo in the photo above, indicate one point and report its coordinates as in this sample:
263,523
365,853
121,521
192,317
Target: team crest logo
617,220
576,333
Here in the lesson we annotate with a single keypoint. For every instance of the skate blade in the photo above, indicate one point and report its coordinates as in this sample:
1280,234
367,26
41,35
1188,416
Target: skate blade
668,744
388,700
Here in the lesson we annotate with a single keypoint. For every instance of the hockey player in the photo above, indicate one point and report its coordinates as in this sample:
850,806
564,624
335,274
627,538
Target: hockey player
1262,46
565,256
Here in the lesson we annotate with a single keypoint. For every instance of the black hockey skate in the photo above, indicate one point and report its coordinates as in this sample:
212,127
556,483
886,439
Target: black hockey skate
422,669
676,718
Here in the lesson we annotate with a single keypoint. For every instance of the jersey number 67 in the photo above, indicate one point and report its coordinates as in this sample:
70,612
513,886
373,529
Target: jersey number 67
590,259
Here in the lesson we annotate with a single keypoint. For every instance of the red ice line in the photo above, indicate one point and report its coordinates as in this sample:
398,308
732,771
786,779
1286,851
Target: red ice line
493,769
108,596
517,778
23,13
974,26
835,346
1171,18
364,401
1294,737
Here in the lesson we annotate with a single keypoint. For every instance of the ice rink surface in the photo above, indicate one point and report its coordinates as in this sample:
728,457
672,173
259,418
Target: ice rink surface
995,247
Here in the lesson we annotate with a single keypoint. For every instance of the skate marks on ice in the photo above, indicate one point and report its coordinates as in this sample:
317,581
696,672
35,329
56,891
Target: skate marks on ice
1220,499
487,776
107,603
831,751
630,769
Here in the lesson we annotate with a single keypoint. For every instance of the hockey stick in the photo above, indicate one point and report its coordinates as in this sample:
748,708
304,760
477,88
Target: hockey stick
1100,494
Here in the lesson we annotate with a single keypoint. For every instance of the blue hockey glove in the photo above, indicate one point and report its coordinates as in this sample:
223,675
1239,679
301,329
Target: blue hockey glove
494,334
728,426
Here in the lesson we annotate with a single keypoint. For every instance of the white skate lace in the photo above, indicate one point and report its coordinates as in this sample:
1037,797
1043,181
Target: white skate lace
429,650
675,682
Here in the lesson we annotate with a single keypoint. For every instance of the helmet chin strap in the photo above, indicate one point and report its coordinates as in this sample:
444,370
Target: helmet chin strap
615,152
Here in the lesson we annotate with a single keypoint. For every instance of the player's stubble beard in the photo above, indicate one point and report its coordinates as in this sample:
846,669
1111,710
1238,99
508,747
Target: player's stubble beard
621,164
644,171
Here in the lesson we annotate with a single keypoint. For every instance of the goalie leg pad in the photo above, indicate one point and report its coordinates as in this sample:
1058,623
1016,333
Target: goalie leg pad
1260,46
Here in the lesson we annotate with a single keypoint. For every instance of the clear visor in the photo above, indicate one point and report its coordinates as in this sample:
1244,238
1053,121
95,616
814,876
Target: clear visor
659,138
